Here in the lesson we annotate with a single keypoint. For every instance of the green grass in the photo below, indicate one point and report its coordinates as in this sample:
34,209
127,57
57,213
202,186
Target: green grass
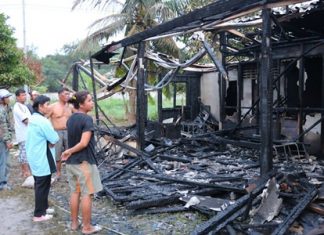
115,109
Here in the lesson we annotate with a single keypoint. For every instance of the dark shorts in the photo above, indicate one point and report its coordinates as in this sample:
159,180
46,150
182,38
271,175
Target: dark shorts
61,145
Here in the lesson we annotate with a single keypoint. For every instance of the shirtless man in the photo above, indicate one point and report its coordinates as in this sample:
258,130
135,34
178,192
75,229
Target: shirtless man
59,114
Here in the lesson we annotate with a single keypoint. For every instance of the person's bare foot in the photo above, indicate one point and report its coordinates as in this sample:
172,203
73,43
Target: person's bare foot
74,226
92,230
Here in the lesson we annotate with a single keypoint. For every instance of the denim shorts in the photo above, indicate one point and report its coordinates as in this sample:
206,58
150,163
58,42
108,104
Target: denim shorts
22,157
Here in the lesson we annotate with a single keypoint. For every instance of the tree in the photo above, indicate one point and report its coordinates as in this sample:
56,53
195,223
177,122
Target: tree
13,70
56,67
135,16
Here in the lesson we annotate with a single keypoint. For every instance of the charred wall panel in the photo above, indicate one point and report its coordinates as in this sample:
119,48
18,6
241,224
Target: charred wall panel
192,93
313,84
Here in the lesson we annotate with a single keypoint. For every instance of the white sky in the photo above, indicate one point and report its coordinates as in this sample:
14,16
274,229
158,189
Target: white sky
49,23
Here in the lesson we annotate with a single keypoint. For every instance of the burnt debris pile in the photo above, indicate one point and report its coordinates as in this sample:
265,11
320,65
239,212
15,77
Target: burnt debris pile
217,175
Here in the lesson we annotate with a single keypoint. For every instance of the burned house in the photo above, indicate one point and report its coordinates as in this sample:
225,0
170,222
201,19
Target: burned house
252,121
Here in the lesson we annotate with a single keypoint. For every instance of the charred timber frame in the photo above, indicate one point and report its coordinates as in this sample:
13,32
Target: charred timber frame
232,211
322,106
188,182
222,82
300,94
295,212
266,95
94,91
140,101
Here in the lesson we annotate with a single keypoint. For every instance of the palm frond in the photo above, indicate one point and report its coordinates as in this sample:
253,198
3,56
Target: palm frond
166,45
133,30
107,20
161,11
107,31
102,5
101,34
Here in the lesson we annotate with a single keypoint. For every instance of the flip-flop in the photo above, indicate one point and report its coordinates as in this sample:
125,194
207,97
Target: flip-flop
95,228
77,228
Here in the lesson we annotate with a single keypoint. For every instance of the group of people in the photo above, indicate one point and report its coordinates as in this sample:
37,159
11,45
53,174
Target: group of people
48,134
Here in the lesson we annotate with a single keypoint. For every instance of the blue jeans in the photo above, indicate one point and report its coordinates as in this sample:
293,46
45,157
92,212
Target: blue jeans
4,168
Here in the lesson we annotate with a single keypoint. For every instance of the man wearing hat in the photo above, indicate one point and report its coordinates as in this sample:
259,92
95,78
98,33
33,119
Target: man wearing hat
5,137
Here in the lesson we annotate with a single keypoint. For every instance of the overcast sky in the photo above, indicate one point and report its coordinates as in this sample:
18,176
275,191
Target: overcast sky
49,23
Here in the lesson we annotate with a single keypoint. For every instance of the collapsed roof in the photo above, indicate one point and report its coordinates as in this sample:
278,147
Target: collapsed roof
294,20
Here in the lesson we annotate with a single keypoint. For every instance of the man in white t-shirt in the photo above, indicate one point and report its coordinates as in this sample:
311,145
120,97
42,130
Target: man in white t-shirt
21,116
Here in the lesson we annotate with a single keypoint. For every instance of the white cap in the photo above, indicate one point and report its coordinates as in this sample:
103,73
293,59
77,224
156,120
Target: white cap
4,93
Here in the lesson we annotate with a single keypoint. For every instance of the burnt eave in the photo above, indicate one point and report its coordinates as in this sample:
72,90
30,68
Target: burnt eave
216,12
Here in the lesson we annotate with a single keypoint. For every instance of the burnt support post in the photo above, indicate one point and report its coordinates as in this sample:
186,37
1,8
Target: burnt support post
301,95
140,99
222,84
94,91
159,103
75,79
266,95
239,88
322,106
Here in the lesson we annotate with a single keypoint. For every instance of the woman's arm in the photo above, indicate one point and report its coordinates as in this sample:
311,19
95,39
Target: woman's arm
85,139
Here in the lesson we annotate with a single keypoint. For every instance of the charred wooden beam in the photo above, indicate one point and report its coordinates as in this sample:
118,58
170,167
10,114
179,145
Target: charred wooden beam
193,183
143,155
229,214
75,79
131,198
94,90
322,106
220,140
266,95
295,212
161,201
301,79
140,101
230,230
233,211
173,209
174,158
118,172
258,228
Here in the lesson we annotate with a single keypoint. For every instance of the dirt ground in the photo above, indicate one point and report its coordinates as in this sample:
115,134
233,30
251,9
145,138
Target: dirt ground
16,212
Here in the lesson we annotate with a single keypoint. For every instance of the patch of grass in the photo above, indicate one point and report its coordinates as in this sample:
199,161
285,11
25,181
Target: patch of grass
114,108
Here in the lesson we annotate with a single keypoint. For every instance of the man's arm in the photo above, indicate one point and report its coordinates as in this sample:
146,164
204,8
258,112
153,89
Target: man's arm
25,121
50,111
5,129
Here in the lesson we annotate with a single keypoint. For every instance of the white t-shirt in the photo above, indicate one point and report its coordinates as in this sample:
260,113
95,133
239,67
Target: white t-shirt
20,113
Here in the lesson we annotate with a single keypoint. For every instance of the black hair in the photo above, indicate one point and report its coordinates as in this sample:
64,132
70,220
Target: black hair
78,98
19,91
40,100
62,89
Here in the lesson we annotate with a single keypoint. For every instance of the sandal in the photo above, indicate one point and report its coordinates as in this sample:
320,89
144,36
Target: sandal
95,229
42,218
74,229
